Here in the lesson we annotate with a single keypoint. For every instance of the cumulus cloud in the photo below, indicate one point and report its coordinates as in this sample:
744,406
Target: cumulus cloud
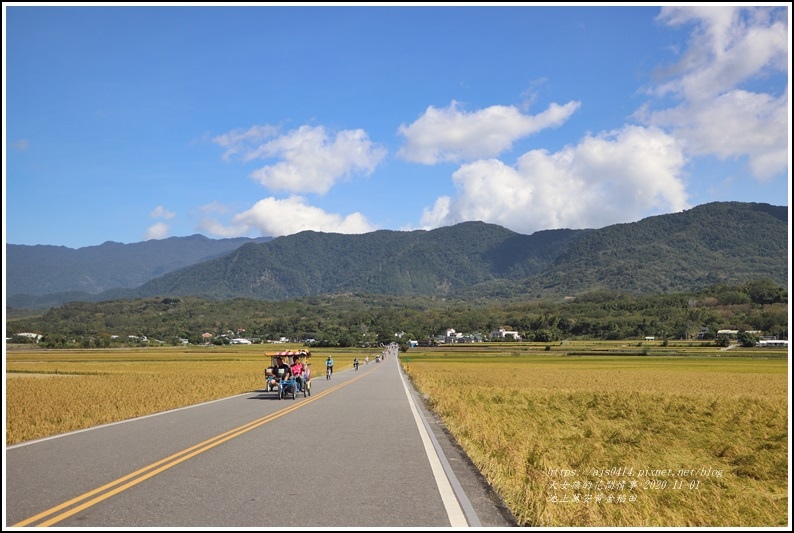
161,212
733,124
311,160
275,217
244,143
157,231
717,114
454,135
619,176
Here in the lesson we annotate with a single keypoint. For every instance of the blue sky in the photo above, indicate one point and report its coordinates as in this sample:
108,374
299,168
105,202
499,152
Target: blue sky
129,123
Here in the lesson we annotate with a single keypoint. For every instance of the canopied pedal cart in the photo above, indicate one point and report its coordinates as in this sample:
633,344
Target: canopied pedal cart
294,385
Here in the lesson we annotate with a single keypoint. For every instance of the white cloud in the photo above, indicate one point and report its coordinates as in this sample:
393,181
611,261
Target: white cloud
244,142
214,208
274,217
620,176
213,228
312,160
452,135
157,231
731,47
161,212
733,124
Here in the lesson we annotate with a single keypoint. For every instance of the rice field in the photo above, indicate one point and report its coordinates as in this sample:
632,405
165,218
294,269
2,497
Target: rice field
603,441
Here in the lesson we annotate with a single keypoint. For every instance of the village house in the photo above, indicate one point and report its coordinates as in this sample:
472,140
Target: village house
504,333
33,336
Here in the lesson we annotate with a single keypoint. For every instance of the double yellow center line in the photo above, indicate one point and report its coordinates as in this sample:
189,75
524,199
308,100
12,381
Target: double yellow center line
73,506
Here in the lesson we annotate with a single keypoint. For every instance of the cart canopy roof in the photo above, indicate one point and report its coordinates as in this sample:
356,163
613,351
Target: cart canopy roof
291,353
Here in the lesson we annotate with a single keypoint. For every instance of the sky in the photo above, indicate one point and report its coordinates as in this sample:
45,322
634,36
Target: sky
133,122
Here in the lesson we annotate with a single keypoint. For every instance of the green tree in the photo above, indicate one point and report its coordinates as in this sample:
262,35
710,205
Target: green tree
747,340
722,340
764,291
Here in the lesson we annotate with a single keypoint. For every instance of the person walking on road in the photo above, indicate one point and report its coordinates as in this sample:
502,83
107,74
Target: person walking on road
329,367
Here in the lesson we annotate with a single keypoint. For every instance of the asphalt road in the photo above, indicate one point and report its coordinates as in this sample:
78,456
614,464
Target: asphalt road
362,451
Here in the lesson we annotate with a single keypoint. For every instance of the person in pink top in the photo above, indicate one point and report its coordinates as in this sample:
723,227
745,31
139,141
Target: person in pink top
298,372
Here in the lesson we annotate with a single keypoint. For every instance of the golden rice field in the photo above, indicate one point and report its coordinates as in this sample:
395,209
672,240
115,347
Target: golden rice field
620,440
617,436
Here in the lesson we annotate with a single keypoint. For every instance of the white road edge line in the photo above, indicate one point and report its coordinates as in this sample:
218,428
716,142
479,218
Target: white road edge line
454,511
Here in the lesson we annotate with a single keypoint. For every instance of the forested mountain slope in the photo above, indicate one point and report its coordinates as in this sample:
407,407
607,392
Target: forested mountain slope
39,270
721,242
728,242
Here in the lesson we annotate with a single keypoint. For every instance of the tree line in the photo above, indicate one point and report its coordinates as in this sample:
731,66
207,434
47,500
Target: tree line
347,320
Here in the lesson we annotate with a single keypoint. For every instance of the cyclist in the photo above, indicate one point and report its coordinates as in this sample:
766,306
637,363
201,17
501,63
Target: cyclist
355,363
329,367
281,371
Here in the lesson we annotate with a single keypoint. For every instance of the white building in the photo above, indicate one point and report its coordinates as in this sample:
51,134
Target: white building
503,333
768,343
34,336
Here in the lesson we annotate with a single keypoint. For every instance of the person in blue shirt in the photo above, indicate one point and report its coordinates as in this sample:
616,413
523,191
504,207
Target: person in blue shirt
329,367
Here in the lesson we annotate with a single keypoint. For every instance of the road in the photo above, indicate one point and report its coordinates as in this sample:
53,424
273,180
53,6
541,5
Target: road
361,451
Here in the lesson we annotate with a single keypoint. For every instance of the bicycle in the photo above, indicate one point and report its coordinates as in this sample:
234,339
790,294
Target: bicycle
328,371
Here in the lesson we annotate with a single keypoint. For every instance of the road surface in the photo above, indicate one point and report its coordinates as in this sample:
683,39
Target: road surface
361,451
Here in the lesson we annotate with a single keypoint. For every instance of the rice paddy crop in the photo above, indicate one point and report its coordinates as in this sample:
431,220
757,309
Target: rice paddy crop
620,441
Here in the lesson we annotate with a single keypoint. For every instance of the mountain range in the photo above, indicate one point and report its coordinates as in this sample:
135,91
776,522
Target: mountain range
44,275
720,242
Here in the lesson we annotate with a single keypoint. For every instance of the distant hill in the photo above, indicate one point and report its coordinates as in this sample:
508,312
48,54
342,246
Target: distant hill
435,262
33,272
721,242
